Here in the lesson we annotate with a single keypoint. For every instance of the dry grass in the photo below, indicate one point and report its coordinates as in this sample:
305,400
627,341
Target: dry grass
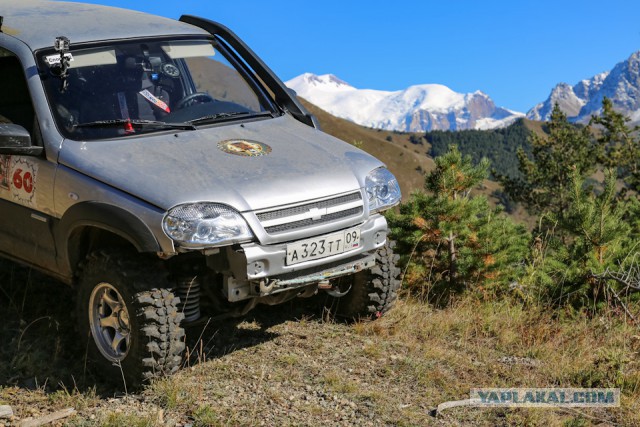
287,366
505,344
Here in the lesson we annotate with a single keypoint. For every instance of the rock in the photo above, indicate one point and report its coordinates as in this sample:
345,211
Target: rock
47,419
6,411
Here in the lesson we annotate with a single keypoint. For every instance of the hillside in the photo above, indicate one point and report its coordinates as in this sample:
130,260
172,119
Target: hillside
286,366
500,146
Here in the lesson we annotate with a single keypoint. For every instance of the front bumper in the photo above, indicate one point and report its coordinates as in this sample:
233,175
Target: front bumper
259,270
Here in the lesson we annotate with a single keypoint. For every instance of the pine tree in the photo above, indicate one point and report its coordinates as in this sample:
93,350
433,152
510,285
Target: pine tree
451,238
619,144
545,183
599,240
596,222
451,183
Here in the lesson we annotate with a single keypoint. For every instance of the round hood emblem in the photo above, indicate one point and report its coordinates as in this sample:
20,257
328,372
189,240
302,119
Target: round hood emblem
243,147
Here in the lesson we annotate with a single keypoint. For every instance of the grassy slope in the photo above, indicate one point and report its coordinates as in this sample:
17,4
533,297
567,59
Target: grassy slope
288,366
534,126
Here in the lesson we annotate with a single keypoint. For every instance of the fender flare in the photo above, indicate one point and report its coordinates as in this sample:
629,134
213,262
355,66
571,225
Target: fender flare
105,217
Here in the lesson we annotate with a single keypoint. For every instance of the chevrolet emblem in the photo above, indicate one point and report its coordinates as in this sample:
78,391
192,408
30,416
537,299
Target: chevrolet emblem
316,213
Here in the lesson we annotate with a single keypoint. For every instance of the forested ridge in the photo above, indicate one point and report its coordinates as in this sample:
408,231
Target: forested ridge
499,146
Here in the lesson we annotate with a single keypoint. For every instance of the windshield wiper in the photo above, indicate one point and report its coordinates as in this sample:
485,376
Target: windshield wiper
137,123
219,116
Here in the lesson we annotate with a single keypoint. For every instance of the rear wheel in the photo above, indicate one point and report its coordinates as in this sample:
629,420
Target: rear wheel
128,318
371,293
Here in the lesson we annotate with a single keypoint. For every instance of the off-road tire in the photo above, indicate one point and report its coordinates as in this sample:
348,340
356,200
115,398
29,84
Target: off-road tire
156,339
373,292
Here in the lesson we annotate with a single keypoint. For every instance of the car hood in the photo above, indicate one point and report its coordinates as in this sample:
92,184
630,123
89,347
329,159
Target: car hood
297,163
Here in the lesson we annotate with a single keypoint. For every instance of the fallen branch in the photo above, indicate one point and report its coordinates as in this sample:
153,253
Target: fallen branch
624,306
629,278
453,404
48,418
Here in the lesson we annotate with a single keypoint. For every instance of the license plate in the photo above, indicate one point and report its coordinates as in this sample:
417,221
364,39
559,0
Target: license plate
321,247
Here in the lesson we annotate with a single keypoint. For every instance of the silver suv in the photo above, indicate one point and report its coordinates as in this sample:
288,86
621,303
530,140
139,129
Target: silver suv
160,167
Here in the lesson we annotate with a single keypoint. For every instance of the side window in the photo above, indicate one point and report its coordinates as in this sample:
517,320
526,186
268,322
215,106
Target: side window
15,103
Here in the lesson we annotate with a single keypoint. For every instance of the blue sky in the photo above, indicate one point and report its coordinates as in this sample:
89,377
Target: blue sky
515,51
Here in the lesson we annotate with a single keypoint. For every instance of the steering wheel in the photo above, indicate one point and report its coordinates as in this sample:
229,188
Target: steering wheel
194,98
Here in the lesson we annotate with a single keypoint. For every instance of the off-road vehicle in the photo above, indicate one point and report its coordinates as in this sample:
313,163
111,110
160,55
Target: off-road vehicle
156,164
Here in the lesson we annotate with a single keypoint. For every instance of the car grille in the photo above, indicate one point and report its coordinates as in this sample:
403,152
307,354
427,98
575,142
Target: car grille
311,214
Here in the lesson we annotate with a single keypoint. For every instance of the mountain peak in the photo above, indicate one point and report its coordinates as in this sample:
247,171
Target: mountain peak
417,108
325,81
581,101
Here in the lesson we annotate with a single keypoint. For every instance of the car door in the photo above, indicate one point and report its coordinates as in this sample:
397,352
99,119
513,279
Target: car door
26,182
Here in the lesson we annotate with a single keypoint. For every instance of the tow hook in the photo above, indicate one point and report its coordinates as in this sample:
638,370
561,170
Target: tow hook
266,286
332,290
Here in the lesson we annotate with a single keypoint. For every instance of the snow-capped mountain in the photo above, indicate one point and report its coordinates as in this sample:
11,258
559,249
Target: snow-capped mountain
416,109
581,101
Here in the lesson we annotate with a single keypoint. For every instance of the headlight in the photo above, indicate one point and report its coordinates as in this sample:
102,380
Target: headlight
383,190
200,225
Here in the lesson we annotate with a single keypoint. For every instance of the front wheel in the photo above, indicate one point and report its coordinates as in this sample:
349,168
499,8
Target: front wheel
128,318
371,293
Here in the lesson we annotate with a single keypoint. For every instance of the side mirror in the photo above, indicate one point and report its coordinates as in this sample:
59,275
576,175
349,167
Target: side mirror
14,139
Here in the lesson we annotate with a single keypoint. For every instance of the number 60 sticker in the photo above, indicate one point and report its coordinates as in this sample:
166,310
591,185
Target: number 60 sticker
23,181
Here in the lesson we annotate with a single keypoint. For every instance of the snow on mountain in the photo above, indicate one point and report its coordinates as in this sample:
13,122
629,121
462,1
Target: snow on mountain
580,102
415,109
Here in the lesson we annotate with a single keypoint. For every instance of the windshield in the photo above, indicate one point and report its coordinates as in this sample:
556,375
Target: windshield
147,86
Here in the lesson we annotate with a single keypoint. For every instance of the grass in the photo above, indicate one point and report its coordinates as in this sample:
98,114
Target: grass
288,366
